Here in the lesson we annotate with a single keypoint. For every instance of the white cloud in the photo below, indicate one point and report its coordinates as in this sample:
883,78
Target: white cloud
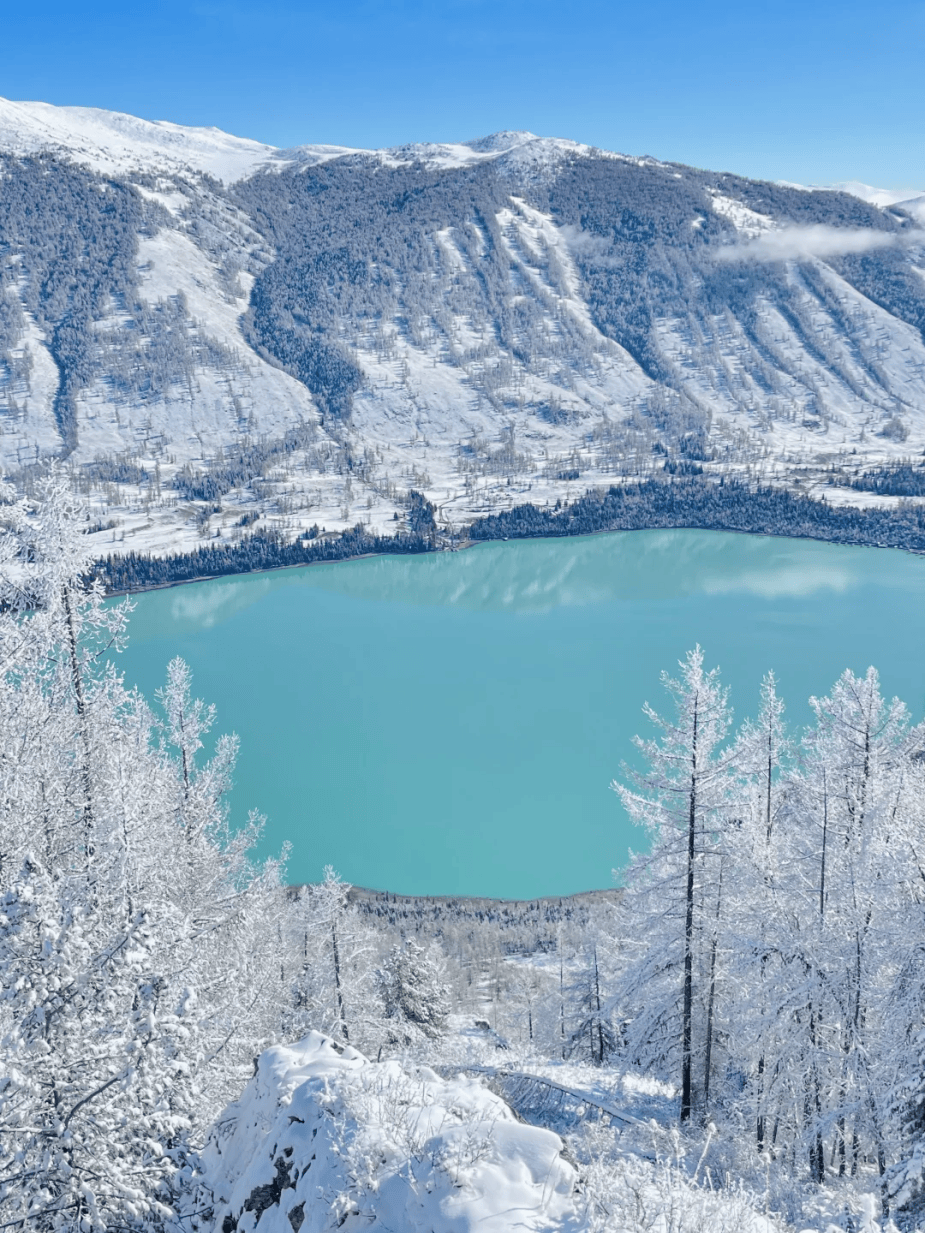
584,243
794,243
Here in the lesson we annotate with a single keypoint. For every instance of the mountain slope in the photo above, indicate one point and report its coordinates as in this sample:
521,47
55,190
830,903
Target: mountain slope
210,330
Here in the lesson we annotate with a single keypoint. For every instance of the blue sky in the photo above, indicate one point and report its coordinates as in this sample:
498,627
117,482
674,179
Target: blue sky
808,91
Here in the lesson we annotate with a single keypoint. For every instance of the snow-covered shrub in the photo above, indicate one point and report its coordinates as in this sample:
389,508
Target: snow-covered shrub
621,1192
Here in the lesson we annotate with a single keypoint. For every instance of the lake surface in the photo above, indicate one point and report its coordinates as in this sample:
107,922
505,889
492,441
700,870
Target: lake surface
450,723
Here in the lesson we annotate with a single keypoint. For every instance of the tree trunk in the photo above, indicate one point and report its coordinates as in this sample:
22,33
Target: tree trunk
688,1008
597,1007
711,1000
337,986
561,999
81,705
759,1119
816,1150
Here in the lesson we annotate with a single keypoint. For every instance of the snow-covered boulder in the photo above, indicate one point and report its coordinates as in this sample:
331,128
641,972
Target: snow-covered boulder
323,1139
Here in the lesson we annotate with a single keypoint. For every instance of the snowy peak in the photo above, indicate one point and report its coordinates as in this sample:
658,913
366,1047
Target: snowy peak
513,148
500,143
114,143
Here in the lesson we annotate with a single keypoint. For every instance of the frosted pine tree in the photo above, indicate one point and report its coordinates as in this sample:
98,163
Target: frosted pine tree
98,1099
414,993
593,1036
762,754
334,965
905,1182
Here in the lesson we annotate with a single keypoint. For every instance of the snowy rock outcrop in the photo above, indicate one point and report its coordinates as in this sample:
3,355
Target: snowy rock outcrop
324,1139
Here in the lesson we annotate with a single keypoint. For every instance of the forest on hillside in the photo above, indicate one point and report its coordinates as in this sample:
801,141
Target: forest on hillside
734,1041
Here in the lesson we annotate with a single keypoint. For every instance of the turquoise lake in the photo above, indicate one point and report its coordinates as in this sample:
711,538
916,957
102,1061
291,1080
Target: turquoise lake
450,723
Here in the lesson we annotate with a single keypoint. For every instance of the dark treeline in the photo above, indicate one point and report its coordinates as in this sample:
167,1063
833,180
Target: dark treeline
517,926
902,480
264,550
729,505
236,466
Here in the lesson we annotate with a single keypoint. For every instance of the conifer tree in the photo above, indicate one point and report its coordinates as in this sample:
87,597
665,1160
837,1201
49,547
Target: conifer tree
414,993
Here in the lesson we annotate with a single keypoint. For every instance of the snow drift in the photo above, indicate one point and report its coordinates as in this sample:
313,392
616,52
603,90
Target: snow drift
322,1139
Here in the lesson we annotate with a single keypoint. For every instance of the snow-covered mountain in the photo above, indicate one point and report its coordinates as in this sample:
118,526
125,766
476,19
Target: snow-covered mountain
113,143
209,329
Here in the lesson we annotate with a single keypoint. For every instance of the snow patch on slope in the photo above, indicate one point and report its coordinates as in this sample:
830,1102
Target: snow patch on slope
28,430
747,222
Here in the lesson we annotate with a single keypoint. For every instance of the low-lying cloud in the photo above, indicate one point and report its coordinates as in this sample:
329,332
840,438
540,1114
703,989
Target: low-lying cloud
793,243
585,243
819,240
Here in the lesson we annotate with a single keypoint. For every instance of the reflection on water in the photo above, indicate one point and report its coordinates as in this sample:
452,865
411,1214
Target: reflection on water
540,575
779,581
205,605
449,723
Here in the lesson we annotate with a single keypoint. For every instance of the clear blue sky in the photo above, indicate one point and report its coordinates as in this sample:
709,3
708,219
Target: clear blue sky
807,90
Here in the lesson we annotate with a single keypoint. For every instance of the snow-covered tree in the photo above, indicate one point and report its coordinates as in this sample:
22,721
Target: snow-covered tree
762,754
414,993
593,1037
139,966
683,800
333,954
837,900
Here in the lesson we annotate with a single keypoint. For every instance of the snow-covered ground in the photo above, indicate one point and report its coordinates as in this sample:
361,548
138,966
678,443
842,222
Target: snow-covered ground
323,1138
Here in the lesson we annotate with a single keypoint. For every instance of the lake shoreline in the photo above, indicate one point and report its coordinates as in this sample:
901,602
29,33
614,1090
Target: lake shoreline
475,543
686,505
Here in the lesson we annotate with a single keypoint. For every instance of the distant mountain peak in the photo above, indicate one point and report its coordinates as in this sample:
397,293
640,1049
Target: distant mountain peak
113,142
881,197
116,143
501,142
